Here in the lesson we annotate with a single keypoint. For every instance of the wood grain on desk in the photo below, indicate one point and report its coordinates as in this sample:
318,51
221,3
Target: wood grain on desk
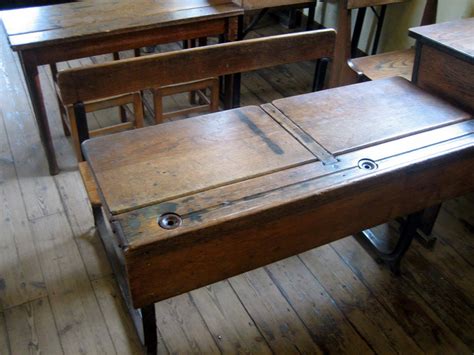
356,116
251,190
455,37
32,27
181,158
444,63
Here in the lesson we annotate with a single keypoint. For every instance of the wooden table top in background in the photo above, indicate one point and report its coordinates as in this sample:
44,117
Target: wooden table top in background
40,26
456,37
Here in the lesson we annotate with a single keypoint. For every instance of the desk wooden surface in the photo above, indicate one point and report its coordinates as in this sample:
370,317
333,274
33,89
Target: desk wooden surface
40,26
254,187
52,34
352,117
444,61
182,158
456,37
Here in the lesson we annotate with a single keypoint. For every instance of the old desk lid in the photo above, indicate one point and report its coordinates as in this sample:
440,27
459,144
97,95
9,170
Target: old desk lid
148,166
357,116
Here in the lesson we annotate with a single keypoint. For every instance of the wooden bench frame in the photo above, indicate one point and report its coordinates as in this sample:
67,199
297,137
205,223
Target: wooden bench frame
211,104
367,67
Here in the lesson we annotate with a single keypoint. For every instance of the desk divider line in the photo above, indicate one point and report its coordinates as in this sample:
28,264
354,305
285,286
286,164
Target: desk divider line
297,132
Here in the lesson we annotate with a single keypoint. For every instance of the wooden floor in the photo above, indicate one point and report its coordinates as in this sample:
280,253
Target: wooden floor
58,295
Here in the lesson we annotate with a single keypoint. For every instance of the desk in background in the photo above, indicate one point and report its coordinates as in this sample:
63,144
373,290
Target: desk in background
51,34
444,62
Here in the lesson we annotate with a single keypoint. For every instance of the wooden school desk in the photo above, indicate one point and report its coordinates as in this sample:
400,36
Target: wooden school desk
51,34
444,62
444,66
196,201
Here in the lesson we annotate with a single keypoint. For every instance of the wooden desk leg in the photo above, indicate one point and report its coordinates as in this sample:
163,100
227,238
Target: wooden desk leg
62,110
230,81
238,77
378,31
30,71
311,13
357,31
123,112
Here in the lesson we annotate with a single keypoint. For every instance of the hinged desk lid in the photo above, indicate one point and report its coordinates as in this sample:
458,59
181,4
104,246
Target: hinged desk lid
356,116
143,167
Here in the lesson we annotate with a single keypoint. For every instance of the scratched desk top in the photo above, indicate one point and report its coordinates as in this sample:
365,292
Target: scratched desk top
212,161
43,25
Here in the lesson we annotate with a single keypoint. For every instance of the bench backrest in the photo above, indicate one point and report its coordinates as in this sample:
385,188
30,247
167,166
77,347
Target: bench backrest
130,75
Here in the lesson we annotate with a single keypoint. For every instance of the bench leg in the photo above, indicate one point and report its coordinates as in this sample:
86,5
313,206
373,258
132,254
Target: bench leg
393,257
320,74
150,336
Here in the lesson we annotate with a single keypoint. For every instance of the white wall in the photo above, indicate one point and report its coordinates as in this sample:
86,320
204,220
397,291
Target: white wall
399,17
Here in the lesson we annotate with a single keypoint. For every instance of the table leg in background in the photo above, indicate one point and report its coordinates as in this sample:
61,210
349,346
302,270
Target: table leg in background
30,71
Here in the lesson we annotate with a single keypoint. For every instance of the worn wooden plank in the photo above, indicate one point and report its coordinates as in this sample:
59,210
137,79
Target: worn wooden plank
455,268
327,324
182,327
430,278
37,187
457,232
32,330
279,324
229,323
385,65
403,302
21,279
80,322
119,324
232,135
70,187
368,316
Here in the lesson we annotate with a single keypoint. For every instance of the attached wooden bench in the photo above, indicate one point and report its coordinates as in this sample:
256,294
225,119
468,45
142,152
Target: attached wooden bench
89,184
395,63
199,87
